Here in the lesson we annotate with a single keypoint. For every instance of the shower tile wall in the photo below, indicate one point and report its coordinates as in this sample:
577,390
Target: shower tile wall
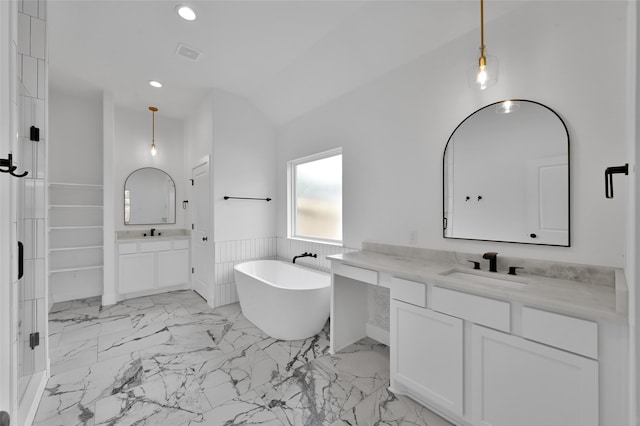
230,253
31,104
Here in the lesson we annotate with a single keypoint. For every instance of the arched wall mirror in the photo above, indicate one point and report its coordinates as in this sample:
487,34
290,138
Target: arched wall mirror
149,198
506,176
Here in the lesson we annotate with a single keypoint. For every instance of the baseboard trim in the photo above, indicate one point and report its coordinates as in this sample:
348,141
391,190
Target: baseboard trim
378,334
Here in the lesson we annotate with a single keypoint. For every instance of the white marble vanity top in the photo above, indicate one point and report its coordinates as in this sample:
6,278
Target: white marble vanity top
165,234
588,300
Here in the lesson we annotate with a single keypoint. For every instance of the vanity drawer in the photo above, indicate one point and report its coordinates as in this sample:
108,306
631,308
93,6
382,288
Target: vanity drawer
571,334
147,246
127,248
180,244
359,274
409,291
477,309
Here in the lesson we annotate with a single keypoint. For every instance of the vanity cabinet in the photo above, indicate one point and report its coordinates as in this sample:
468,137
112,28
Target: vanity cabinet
427,355
463,344
518,382
148,266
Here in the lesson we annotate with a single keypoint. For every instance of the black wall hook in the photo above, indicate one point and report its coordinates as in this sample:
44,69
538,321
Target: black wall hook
608,178
8,163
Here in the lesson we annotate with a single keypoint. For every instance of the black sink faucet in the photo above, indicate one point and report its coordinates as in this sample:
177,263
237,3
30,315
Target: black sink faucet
153,231
305,254
493,258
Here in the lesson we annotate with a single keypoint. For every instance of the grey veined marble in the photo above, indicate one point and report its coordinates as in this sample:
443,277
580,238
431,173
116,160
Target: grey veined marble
172,360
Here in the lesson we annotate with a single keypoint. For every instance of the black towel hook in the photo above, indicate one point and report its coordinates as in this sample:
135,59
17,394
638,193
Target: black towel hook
8,163
608,178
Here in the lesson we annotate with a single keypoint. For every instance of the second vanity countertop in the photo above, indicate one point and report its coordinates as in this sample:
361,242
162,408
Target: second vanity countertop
166,234
590,301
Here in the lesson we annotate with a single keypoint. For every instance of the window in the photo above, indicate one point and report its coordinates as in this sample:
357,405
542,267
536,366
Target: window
315,200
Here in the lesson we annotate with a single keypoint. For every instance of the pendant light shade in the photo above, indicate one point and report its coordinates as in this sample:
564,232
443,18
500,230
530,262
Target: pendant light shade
483,72
153,110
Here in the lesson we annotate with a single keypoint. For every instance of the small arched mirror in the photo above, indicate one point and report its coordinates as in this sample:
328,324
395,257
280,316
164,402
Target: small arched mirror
149,198
506,176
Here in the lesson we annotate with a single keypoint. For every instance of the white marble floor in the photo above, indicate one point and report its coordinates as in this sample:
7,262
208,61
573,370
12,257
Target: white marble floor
169,359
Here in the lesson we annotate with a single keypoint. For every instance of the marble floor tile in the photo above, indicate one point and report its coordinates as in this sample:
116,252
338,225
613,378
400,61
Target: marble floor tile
74,355
311,395
235,374
124,342
73,393
125,307
71,418
384,408
296,353
170,359
246,409
168,400
364,364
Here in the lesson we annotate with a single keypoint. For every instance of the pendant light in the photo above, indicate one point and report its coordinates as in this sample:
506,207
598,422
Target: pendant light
483,72
153,110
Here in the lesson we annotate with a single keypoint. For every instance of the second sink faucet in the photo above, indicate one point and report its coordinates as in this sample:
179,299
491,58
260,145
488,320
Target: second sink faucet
153,231
493,258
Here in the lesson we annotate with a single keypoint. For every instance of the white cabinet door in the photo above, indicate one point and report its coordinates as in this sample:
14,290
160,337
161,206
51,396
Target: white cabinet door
137,272
173,268
516,382
427,355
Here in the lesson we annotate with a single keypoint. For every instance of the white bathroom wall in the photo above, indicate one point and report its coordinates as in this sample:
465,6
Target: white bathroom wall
132,151
75,154
199,131
243,166
230,253
241,143
393,131
244,158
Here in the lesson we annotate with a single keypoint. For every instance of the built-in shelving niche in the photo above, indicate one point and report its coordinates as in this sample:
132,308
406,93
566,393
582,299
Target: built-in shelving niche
75,241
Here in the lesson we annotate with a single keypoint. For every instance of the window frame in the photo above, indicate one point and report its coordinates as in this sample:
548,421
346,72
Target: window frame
291,197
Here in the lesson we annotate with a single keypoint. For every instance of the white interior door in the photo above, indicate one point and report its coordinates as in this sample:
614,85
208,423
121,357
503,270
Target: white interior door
202,255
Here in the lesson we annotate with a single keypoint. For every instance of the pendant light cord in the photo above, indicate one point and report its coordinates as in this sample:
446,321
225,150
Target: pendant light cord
482,61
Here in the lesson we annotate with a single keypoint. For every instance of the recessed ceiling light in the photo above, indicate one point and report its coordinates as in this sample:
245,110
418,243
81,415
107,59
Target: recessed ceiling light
186,13
155,83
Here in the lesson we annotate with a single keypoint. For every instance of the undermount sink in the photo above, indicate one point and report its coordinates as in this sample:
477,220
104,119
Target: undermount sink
499,280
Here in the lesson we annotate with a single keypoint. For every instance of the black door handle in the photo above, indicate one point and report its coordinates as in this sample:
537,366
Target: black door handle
5,420
205,239
20,259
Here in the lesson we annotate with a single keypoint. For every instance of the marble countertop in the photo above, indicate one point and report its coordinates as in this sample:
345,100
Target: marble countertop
165,234
587,300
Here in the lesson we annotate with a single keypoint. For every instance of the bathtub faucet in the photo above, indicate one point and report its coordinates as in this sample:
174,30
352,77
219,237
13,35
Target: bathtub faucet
305,254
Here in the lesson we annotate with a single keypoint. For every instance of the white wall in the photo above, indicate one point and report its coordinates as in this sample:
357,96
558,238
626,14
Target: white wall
199,131
75,153
132,151
241,143
244,154
393,131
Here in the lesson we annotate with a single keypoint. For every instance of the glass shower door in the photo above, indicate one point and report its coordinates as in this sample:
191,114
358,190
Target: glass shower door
30,285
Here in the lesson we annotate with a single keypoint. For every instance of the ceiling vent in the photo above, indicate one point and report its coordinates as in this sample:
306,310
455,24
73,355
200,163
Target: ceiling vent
188,52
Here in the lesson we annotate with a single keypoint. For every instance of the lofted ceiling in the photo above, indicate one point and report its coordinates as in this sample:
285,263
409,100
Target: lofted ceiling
288,57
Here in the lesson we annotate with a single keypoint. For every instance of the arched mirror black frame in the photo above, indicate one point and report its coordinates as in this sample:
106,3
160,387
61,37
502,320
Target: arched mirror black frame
166,198
484,157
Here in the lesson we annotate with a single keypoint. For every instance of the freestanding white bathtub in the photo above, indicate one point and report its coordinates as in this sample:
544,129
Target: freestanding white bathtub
286,301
